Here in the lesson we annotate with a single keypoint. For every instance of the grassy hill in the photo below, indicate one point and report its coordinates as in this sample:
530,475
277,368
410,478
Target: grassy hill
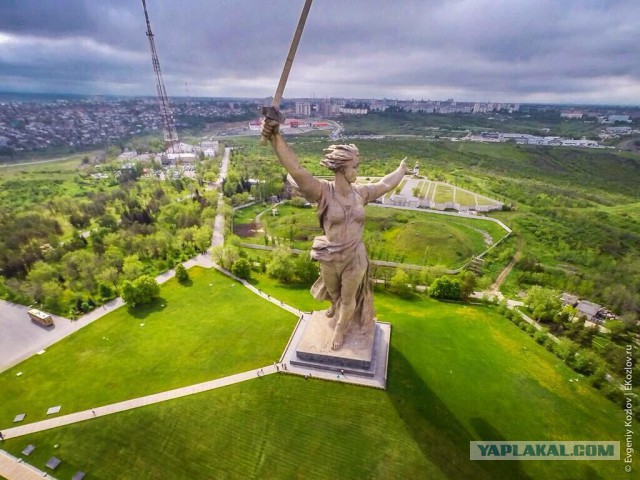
418,238
574,210
456,373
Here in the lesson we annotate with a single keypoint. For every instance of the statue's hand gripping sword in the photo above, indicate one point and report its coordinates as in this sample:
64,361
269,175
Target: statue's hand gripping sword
272,112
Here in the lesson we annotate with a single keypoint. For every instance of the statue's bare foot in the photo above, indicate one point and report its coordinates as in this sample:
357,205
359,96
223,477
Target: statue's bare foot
331,310
337,340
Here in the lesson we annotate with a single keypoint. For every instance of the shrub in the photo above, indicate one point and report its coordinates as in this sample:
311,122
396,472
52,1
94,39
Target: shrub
541,336
565,349
306,269
613,393
242,268
445,288
106,291
281,266
586,362
181,273
399,283
143,289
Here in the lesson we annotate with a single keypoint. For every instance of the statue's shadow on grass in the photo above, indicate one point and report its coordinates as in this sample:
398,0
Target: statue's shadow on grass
143,311
443,440
485,431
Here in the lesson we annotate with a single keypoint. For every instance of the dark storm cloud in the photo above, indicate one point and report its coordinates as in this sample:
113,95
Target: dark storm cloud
503,50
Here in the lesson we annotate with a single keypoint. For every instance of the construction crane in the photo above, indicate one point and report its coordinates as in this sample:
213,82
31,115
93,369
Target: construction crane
170,133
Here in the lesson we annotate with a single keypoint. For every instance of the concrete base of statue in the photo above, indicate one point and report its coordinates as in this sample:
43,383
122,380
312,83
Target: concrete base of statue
363,353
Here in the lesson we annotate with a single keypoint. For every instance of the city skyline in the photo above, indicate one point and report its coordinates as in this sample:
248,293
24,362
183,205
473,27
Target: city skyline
478,51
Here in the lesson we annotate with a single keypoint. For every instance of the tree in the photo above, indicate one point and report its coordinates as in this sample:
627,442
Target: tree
281,266
468,282
617,330
447,288
586,362
106,291
108,276
306,269
181,273
39,274
565,349
143,289
566,314
52,292
202,238
114,258
132,267
544,303
242,268
429,274
399,283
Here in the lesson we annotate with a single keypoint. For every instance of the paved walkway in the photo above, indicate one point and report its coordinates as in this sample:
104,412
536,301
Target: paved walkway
134,403
14,469
218,226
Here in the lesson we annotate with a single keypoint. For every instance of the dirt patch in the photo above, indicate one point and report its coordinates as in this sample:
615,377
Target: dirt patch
246,230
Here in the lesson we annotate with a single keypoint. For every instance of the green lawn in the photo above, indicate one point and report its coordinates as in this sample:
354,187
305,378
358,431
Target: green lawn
295,295
465,198
456,373
191,334
24,186
444,193
485,200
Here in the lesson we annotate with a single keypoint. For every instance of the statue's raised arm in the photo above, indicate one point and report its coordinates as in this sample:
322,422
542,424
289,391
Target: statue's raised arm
309,186
386,183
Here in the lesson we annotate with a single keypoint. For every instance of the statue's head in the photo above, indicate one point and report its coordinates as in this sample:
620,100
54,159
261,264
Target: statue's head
342,158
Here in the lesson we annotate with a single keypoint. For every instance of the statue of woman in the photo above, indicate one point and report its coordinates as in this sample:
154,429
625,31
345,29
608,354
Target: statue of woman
344,266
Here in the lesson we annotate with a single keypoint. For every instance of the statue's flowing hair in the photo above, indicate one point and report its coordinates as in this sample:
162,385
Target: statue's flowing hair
338,156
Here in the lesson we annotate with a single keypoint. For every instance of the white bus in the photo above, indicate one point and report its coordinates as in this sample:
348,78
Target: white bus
41,317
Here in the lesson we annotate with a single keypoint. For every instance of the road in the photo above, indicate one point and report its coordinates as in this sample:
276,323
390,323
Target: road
218,226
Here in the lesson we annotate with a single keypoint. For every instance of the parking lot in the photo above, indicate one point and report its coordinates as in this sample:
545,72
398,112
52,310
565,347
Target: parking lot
20,337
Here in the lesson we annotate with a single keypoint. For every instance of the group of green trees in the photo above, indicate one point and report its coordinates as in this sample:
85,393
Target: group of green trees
602,358
70,253
444,287
583,348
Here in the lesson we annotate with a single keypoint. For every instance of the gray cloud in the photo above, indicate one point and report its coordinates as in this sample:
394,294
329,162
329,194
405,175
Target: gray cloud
502,50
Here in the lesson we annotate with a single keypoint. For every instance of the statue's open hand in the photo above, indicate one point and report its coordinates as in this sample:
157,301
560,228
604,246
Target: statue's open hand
403,165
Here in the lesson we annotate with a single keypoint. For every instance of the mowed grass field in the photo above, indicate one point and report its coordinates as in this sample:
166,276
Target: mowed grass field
391,234
457,373
210,329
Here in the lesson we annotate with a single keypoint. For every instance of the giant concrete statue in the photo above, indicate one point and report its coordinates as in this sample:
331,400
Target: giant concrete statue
344,266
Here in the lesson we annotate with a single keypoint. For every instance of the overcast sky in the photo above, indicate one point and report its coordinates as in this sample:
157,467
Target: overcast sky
552,51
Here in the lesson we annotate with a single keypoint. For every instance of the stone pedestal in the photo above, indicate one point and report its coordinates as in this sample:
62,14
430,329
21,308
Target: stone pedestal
359,354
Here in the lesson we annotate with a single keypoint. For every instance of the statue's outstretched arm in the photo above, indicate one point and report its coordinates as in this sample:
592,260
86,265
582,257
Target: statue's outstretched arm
389,182
309,186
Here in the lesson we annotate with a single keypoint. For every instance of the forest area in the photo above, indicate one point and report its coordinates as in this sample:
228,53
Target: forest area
74,232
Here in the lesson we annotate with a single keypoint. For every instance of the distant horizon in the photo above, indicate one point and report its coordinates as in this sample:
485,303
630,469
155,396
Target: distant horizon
518,51
230,97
